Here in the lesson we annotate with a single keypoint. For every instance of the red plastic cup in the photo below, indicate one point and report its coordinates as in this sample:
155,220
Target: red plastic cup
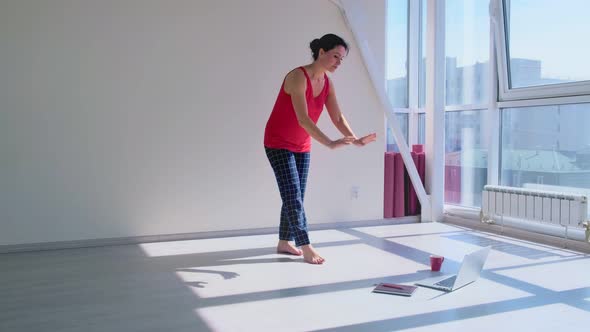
436,262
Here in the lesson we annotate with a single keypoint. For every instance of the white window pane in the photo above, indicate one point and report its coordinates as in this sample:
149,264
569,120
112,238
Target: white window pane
547,41
397,52
402,120
421,128
422,63
467,51
546,147
466,158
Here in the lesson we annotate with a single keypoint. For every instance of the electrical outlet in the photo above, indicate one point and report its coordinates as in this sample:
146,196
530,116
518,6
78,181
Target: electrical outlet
354,192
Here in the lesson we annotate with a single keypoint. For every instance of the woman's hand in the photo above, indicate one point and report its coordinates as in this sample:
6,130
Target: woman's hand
347,140
365,140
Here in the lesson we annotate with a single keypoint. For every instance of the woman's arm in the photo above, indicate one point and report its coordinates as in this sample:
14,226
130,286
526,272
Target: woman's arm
340,121
295,86
336,115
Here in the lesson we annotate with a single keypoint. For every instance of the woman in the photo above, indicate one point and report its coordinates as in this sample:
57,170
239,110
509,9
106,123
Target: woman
288,133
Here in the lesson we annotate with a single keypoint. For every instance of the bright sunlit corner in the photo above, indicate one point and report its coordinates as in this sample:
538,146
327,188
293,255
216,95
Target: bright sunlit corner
309,165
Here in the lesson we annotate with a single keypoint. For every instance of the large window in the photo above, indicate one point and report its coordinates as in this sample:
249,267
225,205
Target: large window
422,52
521,120
542,55
397,53
546,41
541,48
467,51
547,147
402,120
467,31
396,73
466,157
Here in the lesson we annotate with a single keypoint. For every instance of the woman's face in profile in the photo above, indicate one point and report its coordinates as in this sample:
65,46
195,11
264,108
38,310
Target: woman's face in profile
332,58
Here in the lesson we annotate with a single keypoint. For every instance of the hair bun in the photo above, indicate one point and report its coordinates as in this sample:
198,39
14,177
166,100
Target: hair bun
315,44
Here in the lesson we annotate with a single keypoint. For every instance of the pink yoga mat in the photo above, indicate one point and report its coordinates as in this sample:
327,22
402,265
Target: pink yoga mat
452,184
421,170
412,197
388,186
399,197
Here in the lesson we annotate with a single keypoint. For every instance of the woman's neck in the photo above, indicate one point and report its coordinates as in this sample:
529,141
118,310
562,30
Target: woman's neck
315,71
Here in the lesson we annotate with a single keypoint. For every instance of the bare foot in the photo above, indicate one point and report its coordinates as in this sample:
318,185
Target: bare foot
311,256
284,247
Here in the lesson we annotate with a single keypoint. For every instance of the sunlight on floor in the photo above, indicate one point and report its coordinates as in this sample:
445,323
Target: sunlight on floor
241,284
518,285
170,248
538,319
573,277
282,272
326,308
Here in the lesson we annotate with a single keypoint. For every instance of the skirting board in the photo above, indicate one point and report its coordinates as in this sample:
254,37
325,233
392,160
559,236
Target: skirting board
516,233
192,236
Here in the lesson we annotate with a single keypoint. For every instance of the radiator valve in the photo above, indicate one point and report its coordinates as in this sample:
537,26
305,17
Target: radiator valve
586,225
485,219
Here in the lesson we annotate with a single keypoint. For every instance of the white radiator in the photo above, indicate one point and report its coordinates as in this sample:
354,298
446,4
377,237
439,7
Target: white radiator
568,210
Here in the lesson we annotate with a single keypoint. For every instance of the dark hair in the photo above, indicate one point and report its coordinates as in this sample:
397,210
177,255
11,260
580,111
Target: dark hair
327,42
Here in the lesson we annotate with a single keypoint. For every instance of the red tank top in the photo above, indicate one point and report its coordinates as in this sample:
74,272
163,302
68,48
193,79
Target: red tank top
283,130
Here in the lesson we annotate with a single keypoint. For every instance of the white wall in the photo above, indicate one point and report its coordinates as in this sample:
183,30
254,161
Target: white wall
144,117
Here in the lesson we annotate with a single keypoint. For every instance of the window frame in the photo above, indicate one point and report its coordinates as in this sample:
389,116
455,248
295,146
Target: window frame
410,53
492,117
575,91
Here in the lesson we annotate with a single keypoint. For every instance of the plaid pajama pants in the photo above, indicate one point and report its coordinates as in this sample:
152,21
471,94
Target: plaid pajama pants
291,169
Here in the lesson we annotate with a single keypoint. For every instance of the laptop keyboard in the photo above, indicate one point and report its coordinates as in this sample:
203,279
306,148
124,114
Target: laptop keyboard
449,282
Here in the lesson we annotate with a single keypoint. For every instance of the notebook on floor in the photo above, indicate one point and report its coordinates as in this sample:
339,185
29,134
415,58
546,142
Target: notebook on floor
396,289
469,272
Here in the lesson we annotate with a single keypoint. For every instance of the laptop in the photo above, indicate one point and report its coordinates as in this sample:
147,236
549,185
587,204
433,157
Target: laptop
469,272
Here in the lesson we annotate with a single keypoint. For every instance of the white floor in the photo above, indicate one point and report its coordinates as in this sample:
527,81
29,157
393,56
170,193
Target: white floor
240,284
